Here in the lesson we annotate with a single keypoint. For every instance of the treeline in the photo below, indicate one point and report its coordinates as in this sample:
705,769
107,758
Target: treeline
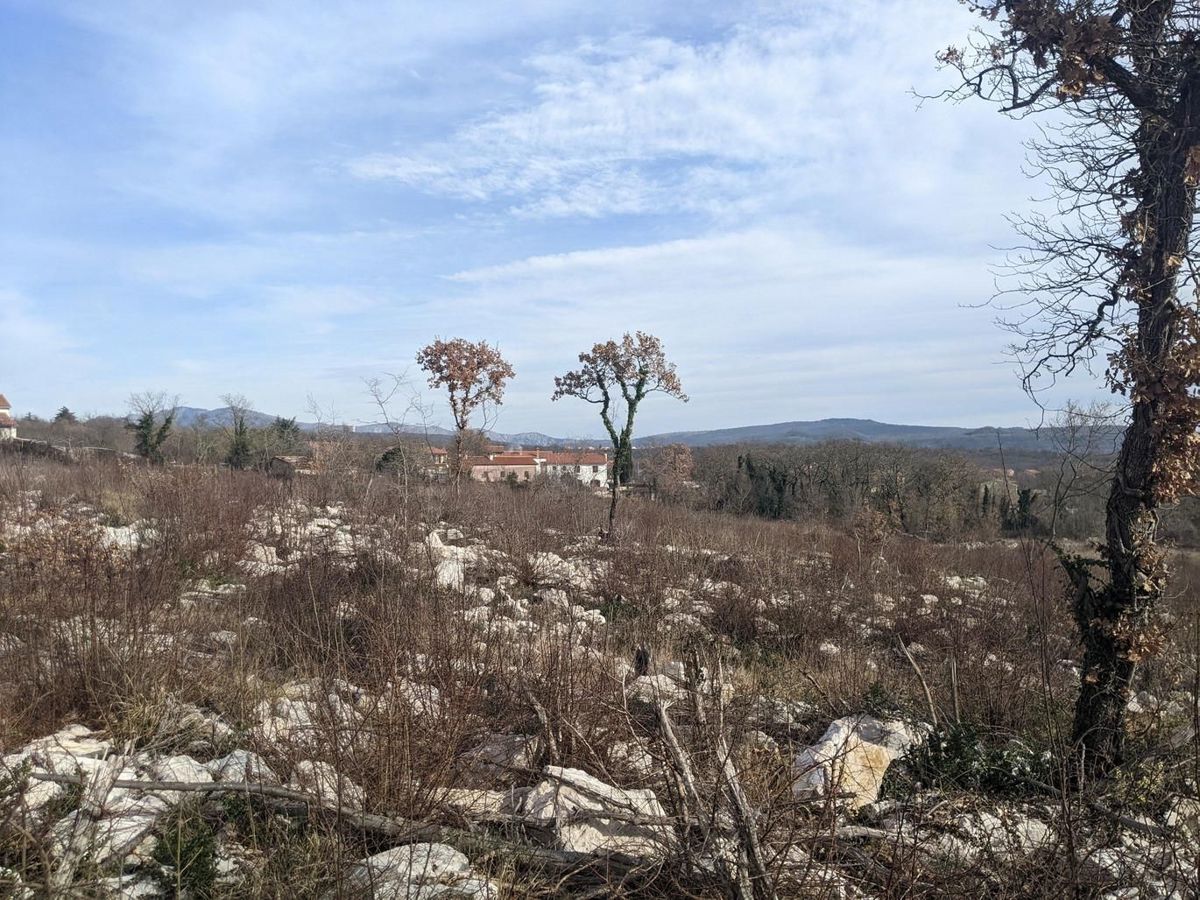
152,432
932,493
921,492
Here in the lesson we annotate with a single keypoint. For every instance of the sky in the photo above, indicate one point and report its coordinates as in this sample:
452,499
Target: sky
285,198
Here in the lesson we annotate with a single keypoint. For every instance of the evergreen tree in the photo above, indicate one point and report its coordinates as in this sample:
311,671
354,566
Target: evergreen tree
149,434
241,451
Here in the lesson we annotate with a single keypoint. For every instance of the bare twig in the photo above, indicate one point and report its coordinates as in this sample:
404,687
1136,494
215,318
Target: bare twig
544,720
743,816
921,678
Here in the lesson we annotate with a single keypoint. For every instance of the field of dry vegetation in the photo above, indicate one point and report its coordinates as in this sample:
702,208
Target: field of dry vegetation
215,684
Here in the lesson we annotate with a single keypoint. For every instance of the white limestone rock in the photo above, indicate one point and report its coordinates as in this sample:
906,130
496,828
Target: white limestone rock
132,886
1000,834
480,803
420,872
330,786
127,820
852,758
179,768
242,765
563,794
450,574
653,688
500,753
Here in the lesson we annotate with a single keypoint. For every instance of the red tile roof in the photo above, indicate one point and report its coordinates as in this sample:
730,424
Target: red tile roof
7,421
4,404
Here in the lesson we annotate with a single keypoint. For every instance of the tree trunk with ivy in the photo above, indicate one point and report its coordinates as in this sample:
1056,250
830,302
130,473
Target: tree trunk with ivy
1112,264
1116,619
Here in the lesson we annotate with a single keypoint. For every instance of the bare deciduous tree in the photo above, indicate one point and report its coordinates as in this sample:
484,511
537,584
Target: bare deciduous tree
473,375
407,454
621,373
1084,441
1109,272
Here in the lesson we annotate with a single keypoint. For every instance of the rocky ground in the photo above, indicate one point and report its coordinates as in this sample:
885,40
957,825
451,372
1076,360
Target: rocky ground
240,689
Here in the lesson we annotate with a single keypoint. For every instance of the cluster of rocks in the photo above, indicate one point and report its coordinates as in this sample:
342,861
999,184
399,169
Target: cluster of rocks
300,726
580,812
123,828
25,520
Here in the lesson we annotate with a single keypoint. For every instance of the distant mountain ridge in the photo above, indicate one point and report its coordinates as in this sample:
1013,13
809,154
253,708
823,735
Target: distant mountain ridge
194,417
940,437
943,437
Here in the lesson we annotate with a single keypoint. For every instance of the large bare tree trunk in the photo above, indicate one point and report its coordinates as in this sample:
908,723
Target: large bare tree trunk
1115,619
1109,616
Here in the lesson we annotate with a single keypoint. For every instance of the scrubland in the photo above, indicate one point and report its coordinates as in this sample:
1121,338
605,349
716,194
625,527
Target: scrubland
216,684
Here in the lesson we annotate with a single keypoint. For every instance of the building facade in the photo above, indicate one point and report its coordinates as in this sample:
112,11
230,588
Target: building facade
588,467
502,467
8,425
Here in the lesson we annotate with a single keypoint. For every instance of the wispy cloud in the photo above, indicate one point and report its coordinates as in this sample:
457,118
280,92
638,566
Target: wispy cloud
604,114
751,122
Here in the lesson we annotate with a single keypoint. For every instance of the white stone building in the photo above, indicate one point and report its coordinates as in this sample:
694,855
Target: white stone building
8,425
587,466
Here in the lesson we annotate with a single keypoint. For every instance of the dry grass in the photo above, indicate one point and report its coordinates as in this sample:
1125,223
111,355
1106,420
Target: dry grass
799,614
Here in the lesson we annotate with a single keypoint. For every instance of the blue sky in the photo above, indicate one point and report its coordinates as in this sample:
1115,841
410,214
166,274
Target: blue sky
282,199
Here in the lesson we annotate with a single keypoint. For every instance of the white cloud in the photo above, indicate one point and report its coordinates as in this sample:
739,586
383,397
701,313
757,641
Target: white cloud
604,113
761,119
232,109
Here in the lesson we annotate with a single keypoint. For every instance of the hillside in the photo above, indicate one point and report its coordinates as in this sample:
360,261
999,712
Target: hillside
935,437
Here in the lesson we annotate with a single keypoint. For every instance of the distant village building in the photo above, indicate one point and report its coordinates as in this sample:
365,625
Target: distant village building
440,457
502,467
589,467
8,425
498,463
586,466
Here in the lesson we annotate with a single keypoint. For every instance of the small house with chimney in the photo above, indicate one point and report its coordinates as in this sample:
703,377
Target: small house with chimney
8,425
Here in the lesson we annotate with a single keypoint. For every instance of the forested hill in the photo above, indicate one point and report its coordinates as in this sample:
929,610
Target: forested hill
932,436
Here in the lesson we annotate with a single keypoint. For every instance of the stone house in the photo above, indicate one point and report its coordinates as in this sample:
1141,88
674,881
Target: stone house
502,467
589,467
8,425
586,466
